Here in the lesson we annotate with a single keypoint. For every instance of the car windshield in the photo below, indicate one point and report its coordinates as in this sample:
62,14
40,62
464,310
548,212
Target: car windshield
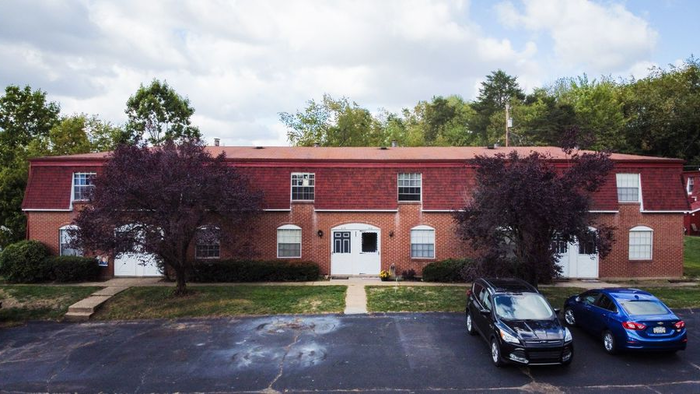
527,306
643,307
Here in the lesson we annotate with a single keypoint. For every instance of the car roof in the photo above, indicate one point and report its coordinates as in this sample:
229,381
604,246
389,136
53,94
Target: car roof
626,293
509,285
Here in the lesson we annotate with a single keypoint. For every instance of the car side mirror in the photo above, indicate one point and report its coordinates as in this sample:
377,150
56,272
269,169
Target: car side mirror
556,311
577,299
484,311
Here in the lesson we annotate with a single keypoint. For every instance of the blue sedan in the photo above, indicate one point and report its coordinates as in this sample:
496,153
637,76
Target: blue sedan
626,319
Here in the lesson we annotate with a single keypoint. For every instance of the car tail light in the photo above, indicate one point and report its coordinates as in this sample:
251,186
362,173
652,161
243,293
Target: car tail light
630,325
679,324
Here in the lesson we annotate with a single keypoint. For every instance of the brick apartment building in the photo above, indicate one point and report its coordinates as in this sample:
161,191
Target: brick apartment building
691,221
361,210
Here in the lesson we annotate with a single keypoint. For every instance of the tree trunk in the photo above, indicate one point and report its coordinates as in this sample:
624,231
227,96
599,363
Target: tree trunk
181,288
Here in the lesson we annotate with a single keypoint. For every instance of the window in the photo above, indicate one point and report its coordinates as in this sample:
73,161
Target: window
289,241
606,303
409,187
66,236
422,242
628,187
691,184
590,297
207,243
641,239
82,185
341,242
587,247
559,246
303,186
369,242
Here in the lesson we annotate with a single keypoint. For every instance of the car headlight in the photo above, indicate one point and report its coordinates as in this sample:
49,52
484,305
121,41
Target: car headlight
567,335
509,338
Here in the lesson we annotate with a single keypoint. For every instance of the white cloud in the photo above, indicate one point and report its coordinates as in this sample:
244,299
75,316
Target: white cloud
593,37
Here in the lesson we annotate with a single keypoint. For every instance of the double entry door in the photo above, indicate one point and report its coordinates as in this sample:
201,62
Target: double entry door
355,250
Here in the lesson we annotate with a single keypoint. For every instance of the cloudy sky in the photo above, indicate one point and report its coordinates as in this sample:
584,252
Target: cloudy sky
242,62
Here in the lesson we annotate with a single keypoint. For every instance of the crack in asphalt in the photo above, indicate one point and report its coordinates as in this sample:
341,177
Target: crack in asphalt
269,388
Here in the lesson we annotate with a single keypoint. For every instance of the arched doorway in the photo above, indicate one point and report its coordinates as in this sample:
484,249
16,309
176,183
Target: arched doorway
355,249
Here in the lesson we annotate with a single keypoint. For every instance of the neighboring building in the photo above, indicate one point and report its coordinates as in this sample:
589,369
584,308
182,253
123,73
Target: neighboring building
361,210
691,221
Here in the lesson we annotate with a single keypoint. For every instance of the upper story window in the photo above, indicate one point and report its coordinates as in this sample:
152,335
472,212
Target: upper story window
303,186
410,187
627,187
691,184
66,237
422,242
289,241
207,243
641,243
82,185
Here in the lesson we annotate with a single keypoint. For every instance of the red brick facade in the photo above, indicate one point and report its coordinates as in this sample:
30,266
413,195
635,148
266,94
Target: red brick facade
365,191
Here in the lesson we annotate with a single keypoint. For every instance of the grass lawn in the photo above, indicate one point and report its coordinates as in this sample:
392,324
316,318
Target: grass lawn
691,256
158,302
36,302
416,298
453,298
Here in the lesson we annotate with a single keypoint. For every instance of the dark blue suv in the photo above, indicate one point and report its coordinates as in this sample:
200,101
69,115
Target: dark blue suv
626,319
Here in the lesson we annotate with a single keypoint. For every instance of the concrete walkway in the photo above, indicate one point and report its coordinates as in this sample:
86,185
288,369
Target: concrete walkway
355,297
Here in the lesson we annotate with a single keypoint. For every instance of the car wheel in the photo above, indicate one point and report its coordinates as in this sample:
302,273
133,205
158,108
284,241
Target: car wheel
609,342
496,353
569,317
470,324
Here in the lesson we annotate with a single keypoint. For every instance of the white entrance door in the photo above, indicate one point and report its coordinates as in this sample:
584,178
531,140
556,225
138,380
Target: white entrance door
355,250
578,261
135,263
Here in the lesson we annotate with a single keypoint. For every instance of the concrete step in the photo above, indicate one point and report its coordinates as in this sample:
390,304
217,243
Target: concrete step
77,316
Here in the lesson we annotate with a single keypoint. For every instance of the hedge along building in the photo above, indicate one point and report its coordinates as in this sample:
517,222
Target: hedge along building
356,211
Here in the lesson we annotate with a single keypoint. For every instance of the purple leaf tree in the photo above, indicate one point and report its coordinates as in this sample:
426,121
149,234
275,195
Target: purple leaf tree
522,206
159,200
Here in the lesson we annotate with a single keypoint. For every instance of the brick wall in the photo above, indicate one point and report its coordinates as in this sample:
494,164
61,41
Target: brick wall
667,254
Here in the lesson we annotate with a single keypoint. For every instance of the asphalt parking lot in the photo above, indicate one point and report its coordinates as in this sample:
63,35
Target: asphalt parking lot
380,353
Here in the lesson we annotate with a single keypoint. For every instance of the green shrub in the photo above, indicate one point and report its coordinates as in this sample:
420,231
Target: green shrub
253,271
449,270
25,262
74,268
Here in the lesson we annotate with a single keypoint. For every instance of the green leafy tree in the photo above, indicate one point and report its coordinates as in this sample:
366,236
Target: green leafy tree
498,89
333,122
77,134
25,115
541,120
157,113
599,110
662,112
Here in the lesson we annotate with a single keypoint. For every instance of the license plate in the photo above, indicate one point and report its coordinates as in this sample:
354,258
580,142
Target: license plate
659,330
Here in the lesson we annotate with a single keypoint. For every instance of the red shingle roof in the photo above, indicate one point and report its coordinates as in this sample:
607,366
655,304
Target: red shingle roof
284,153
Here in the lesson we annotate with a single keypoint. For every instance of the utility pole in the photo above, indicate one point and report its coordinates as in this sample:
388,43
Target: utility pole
508,123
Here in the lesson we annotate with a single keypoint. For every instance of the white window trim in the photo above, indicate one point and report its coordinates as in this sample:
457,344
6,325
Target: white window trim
410,243
60,241
195,244
277,242
641,229
291,186
397,188
72,188
639,188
